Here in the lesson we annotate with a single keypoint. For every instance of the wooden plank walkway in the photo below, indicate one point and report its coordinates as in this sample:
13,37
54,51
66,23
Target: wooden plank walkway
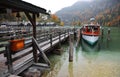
3,67
27,60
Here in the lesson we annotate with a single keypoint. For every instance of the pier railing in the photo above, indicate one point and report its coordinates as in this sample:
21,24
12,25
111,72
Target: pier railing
23,58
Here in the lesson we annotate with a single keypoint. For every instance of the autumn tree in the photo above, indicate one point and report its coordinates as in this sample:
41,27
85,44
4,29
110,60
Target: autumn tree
61,23
55,19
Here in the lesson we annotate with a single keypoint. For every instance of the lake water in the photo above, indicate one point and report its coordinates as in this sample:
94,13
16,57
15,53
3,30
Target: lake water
100,60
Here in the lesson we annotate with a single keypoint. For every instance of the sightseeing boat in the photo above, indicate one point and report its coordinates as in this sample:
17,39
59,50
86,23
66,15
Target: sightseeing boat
90,33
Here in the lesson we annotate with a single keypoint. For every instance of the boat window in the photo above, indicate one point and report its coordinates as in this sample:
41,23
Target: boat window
95,28
89,29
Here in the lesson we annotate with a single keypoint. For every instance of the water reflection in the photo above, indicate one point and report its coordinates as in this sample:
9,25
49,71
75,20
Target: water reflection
100,60
90,48
90,52
70,69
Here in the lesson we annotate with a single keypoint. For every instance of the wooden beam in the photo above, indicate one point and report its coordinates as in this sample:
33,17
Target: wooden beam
34,25
33,22
9,59
22,6
40,51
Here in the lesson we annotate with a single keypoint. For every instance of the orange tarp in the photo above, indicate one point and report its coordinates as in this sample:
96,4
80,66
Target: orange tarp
16,44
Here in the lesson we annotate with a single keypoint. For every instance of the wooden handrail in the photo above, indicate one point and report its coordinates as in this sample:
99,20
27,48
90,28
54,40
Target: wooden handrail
47,39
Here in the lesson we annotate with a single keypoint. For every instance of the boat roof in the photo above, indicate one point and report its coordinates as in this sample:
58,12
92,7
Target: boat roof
91,25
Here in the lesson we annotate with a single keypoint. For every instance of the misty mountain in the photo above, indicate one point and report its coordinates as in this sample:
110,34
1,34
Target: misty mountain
84,10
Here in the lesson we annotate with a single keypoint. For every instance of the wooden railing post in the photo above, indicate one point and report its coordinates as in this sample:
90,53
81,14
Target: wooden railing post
34,52
64,34
51,40
47,35
9,59
33,22
59,36
68,32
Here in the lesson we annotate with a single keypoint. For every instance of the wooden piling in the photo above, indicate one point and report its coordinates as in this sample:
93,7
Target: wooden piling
108,37
78,37
75,34
102,32
58,50
70,49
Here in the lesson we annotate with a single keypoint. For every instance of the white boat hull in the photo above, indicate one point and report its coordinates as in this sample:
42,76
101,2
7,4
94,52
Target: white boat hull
90,39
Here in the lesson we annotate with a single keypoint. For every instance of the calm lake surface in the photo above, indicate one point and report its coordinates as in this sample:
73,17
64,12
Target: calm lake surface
100,60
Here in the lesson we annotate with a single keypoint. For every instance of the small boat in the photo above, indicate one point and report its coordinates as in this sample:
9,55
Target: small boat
90,33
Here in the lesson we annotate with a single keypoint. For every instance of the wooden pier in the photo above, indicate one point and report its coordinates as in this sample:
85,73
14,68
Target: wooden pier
21,49
15,63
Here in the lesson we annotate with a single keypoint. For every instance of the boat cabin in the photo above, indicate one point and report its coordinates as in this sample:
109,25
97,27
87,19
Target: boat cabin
91,30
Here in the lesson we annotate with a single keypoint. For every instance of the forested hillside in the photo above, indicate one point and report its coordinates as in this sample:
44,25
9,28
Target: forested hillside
106,12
